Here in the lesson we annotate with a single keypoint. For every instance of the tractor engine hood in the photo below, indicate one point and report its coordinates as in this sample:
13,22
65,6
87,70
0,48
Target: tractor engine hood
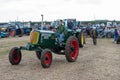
47,32
41,36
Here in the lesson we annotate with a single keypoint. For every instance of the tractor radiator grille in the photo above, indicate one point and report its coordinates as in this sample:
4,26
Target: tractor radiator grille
34,37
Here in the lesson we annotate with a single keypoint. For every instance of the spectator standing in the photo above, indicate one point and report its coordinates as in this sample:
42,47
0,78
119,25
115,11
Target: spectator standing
94,35
115,36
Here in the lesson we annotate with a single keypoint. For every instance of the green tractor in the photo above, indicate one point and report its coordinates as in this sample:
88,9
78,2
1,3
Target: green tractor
45,42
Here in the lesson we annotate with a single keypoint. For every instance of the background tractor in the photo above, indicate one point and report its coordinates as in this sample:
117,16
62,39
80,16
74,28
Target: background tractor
15,28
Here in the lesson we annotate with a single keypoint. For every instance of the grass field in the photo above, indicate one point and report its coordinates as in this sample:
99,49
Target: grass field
7,43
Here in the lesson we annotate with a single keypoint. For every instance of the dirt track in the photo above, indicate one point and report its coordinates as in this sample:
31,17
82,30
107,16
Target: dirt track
101,62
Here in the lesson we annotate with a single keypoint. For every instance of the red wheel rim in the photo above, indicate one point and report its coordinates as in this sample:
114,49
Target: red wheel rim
74,53
47,58
16,56
12,33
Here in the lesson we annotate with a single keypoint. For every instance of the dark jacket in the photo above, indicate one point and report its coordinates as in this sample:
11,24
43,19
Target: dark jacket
115,32
70,25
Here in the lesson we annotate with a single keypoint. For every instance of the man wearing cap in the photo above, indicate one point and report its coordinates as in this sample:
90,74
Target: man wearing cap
61,31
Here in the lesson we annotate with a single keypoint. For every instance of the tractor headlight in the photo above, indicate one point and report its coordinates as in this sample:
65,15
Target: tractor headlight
34,37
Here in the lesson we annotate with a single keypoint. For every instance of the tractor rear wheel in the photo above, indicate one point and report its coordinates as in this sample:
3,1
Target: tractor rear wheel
46,58
81,39
12,33
38,54
72,49
21,32
15,56
118,40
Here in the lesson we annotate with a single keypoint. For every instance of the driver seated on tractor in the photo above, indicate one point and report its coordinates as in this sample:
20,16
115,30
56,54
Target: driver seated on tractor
61,31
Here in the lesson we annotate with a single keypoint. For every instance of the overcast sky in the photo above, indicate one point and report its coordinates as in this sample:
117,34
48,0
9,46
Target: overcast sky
31,10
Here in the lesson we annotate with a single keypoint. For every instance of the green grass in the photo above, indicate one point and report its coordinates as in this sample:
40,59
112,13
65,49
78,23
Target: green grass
7,44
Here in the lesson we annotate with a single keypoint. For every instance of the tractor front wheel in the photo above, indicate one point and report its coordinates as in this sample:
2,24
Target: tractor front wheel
38,54
72,49
15,56
46,58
